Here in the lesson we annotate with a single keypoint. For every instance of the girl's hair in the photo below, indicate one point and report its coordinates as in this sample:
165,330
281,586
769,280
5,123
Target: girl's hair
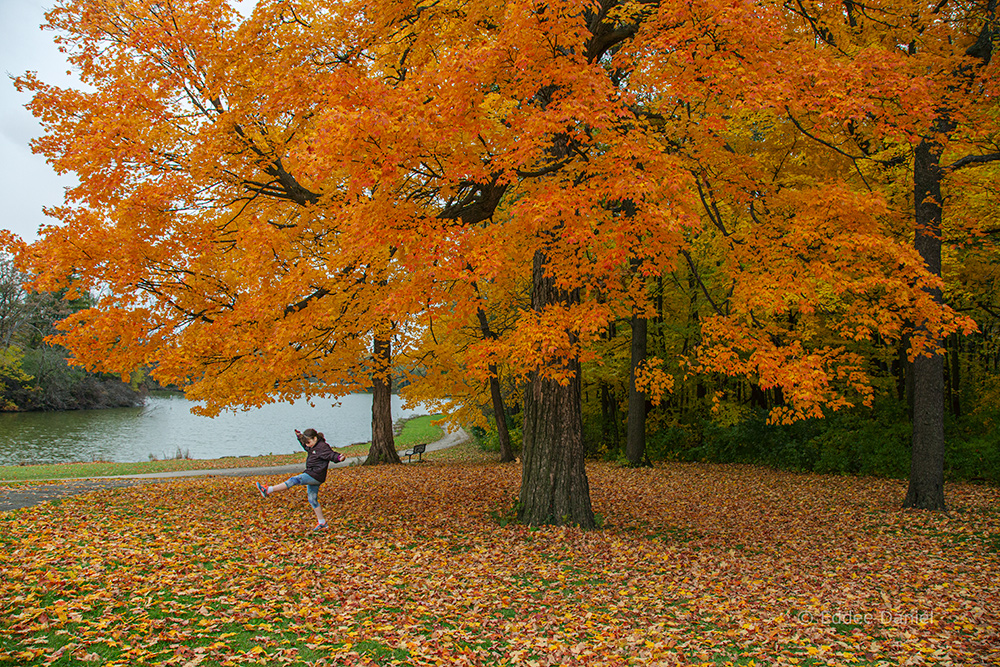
313,433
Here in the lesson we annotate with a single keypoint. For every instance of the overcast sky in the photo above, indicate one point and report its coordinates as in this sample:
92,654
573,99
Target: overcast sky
27,183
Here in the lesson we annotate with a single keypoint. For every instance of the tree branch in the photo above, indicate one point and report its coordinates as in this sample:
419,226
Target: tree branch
296,307
704,289
853,158
971,160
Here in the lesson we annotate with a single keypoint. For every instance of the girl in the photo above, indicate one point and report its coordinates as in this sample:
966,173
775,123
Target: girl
318,460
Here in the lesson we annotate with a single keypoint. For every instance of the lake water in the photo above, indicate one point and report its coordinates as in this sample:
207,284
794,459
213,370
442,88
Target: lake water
165,425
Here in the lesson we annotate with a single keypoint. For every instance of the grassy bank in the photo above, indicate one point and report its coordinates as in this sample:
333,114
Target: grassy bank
696,565
412,431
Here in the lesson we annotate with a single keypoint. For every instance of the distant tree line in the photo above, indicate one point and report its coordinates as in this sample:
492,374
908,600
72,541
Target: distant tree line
35,375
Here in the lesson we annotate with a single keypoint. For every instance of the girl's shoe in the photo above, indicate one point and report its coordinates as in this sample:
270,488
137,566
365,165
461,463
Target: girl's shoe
320,526
262,489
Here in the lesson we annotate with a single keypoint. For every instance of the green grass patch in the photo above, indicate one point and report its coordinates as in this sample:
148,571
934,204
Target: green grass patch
418,430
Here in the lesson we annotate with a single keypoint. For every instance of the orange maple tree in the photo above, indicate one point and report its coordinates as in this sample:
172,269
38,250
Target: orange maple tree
267,203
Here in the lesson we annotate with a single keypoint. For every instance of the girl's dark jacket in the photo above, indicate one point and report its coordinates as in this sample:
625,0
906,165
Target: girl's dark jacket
318,460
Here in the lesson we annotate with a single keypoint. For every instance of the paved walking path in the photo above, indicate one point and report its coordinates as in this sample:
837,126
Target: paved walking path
28,493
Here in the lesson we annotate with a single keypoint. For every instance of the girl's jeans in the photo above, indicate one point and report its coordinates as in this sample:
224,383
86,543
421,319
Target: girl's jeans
312,487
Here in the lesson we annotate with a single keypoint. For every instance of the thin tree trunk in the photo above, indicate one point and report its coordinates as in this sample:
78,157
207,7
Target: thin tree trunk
496,396
926,490
609,408
609,418
500,413
904,375
956,376
554,486
383,448
635,442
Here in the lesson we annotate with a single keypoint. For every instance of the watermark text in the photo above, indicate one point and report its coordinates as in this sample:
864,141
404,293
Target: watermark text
855,617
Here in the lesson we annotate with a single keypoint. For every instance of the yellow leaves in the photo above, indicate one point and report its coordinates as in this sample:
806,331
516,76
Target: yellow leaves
29,654
497,107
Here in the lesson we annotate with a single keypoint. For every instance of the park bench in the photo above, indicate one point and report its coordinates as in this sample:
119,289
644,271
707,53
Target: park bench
416,450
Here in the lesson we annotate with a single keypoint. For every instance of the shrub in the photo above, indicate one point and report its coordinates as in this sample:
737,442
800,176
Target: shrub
876,443
488,439
671,442
858,441
972,448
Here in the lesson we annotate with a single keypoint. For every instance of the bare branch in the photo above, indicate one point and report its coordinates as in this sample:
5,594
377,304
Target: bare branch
969,160
697,275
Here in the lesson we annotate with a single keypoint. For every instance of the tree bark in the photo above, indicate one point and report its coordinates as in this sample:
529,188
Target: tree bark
554,486
926,490
902,368
500,416
635,441
383,449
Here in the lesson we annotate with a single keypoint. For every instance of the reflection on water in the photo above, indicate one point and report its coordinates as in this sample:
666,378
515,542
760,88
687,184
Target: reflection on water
165,426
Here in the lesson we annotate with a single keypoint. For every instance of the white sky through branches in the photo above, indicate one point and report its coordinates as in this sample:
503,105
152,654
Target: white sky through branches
27,182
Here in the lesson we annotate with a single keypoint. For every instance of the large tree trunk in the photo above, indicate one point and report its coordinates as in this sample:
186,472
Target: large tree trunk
554,486
635,441
383,448
926,489
496,396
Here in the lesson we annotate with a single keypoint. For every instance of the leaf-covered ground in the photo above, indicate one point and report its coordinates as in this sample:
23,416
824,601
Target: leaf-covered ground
695,564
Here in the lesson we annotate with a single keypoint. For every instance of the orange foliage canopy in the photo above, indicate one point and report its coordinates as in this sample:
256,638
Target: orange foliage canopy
259,194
